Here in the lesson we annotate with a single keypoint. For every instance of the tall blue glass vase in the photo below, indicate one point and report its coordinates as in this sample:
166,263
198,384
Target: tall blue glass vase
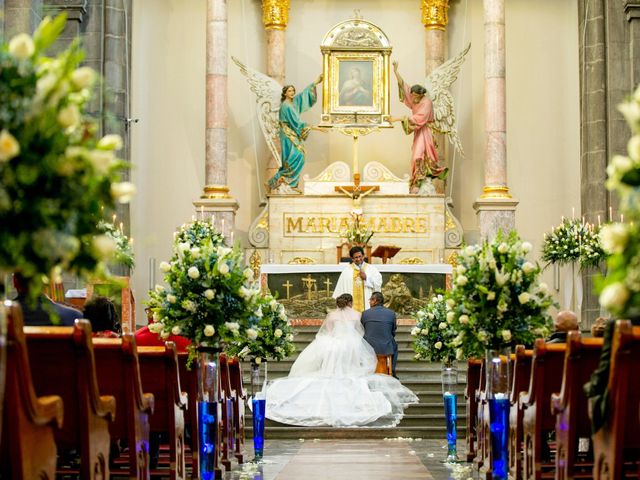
258,405
497,368
450,398
208,413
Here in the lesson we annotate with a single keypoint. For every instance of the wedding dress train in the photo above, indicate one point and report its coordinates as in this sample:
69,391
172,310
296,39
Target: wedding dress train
332,383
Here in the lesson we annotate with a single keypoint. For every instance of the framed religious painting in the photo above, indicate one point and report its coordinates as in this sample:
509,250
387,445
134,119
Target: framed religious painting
356,76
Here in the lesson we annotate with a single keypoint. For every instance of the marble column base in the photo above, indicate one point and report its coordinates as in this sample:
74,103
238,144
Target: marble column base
495,214
216,210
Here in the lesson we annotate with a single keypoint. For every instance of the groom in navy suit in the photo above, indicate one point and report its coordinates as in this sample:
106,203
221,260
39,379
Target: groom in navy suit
380,328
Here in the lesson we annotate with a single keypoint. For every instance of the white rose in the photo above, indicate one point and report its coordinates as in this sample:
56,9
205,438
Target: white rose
244,292
101,160
233,327
159,288
462,280
84,77
209,330
171,298
165,335
184,247
193,272
543,287
482,336
189,306
501,278
21,46
415,331
633,148
451,302
614,238
9,146
223,251
209,294
491,296
156,327
123,192
503,248
442,325
223,268
69,116
630,111
104,245
258,313
464,319
424,331
528,267
451,316
470,250
620,165
258,360
251,334
195,252
277,333
248,274
506,335
290,337
526,247
438,345
523,298
461,269
165,267
614,296
176,330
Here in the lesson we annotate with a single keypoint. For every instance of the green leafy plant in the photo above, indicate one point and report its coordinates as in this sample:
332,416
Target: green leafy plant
433,335
124,248
57,178
496,299
620,289
210,295
268,334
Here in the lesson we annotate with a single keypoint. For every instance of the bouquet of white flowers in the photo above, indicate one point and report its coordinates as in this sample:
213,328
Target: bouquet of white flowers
573,241
268,334
210,293
497,300
57,179
123,244
433,335
620,290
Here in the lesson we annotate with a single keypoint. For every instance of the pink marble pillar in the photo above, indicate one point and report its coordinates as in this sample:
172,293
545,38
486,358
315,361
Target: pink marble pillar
495,207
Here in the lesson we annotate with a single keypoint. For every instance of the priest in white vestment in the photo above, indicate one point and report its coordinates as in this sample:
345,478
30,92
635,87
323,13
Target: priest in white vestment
359,279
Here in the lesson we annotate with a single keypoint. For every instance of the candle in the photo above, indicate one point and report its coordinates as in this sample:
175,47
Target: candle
113,219
621,218
222,228
232,237
610,214
213,220
202,211
573,213
598,220
130,240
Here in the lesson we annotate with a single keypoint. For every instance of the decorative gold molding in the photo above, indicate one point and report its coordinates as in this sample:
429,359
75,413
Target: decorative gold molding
255,262
275,14
412,261
495,191
452,259
435,14
302,261
216,191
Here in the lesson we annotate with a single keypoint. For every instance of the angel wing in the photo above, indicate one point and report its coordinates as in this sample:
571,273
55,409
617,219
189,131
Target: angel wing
437,84
268,93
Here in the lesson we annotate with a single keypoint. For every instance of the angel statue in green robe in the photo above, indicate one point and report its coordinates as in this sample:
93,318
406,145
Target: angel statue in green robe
279,110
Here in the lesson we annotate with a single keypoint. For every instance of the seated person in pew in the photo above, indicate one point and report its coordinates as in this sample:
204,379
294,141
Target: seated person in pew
102,314
596,388
44,311
564,322
146,338
597,329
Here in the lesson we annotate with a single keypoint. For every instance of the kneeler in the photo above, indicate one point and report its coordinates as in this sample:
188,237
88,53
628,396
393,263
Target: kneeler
384,365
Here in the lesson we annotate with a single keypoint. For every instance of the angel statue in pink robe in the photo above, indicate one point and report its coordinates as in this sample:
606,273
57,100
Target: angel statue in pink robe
430,107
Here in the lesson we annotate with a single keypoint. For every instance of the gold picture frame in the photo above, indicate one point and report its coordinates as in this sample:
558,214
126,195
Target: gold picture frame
356,76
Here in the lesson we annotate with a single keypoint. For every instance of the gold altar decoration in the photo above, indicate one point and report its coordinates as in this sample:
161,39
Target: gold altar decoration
216,191
495,191
302,261
356,75
255,262
275,14
435,14
412,261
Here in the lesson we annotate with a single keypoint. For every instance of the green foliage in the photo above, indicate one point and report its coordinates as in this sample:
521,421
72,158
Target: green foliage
497,300
268,334
57,179
620,290
123,247
433,335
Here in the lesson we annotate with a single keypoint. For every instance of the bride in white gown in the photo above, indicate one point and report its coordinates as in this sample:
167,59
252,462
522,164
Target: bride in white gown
332,383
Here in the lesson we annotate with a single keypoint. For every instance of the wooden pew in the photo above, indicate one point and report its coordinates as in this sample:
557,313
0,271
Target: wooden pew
617,444
385,364
235,375
570,406
480,414
62,363
521,379
474,371
27,446
118,373
227,400
160,376
537,421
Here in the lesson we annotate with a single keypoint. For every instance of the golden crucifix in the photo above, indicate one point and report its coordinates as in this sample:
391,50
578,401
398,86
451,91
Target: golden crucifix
287,285
309,284
328,283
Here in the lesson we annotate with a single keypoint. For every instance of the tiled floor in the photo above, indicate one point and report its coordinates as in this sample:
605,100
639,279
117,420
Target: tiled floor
366,459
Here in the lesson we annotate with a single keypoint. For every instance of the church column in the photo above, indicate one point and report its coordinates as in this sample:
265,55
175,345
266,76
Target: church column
495,207
216,200
20,16
275,16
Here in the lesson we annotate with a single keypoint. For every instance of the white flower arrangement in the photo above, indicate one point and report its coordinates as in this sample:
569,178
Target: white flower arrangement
433,333
573,241
501,302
